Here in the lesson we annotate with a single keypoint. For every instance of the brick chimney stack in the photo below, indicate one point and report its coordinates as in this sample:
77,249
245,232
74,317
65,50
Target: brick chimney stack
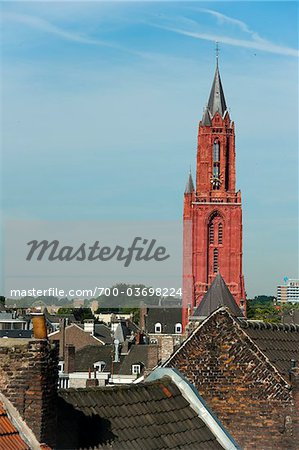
69,361
28,378
142,317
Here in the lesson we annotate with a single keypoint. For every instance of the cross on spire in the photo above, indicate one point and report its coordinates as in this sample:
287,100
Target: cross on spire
217,51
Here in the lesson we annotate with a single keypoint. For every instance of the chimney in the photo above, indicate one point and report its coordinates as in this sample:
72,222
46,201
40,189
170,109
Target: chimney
69,358
92,382
39,326
89,326
62,340
142,318
28,379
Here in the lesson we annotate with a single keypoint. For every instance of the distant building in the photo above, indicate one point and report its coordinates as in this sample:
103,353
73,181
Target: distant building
163,326
9,321
109,317
78,303
288,292
94,305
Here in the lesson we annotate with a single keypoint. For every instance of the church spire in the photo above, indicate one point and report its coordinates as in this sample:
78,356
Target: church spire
189,186
217,99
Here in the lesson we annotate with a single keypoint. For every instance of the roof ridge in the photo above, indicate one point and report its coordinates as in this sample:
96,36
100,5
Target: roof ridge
261,325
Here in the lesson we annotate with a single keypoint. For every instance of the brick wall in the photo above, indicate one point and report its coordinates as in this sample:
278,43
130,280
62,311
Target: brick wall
249,397
28,378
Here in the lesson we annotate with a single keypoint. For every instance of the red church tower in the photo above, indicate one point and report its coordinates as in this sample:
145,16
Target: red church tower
212,209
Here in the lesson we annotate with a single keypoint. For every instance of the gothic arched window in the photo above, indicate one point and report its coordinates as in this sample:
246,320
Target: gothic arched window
216,153
216,165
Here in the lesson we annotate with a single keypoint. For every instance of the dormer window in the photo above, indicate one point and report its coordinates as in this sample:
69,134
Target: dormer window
178,328
136,369
99,366
61,367
158,328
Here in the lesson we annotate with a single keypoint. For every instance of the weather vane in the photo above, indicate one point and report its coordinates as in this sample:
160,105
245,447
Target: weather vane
217,50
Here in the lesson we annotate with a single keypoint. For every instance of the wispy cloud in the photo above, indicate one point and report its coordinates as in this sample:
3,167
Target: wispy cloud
255,45
222,18
47,27
256,42
44,25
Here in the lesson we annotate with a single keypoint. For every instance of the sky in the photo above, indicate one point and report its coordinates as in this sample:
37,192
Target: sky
100,104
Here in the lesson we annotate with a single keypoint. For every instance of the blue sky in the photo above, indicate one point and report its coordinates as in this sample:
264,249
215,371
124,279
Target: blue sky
101,103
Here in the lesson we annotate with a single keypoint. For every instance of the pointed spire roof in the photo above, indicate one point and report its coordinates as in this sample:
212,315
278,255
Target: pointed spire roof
217,99
189,186
217,295
206,119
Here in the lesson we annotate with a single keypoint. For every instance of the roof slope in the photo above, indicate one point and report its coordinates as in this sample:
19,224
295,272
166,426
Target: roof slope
10,438
217,295
168,317
102,332
148,416
217,99
87,356
138,354
189,186
279,342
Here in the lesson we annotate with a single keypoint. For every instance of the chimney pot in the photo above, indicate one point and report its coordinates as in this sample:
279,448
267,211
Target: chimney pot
39,326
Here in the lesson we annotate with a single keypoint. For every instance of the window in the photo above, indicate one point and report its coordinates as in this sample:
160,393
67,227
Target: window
158,327
216,152
211,233
220,233
216,165
99,366
215,260
178,328
136,369
216,171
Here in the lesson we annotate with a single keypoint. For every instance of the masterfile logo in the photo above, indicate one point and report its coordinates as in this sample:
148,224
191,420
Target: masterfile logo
145,251
73,256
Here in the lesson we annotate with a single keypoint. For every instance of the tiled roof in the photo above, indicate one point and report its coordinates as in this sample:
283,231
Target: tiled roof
147,416
103,333
279,342
168,317
10,438
87,356
137,354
